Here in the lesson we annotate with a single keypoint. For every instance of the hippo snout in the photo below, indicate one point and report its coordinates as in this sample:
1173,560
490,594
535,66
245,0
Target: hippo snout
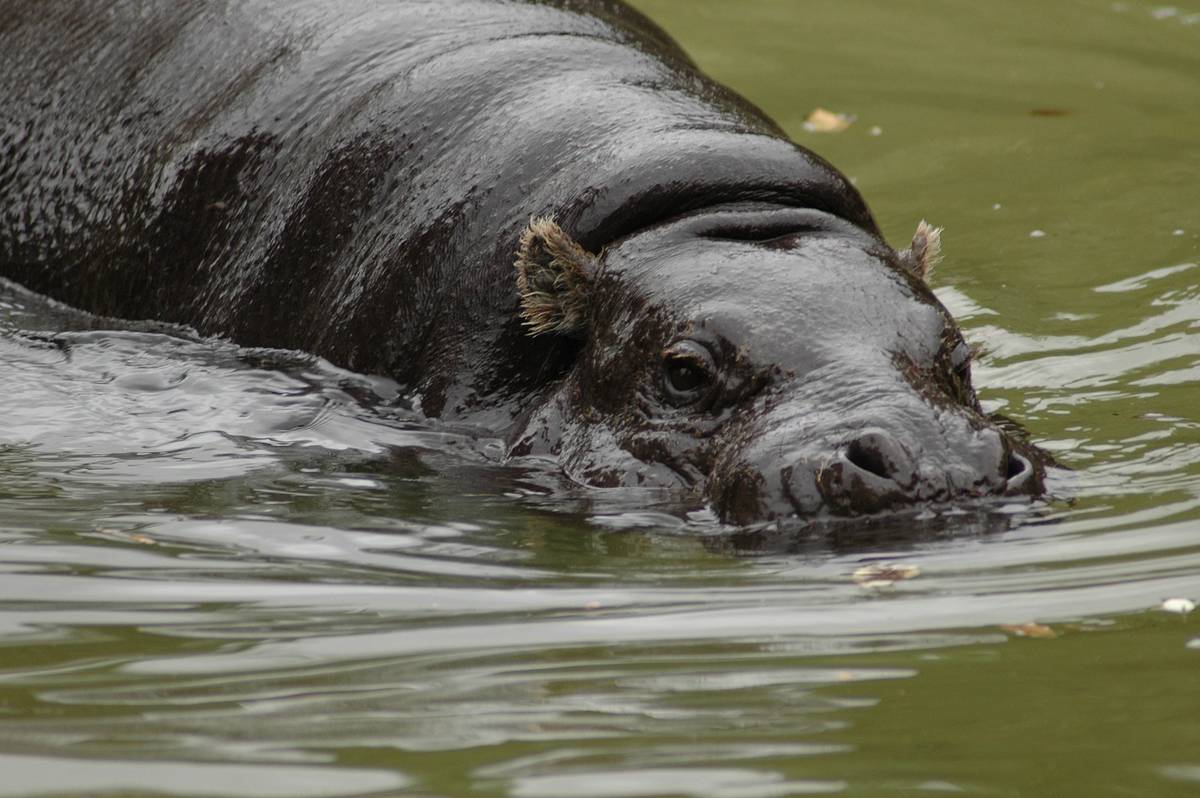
870,469
875,472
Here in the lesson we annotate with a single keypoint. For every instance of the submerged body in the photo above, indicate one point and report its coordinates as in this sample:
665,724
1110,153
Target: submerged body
712,308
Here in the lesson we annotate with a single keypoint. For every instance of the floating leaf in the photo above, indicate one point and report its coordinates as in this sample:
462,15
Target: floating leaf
879,575
1029,630
822,121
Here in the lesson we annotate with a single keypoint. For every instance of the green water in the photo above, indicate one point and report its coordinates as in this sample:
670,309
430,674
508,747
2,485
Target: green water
305,599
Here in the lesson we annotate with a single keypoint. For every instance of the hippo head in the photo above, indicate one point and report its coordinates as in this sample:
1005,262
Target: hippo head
777,362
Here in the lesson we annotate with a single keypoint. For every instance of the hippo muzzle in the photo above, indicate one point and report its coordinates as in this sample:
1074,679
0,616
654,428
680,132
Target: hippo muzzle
775,362
807,456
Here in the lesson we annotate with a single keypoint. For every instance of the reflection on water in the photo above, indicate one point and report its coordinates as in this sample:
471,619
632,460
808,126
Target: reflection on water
26,775
248,573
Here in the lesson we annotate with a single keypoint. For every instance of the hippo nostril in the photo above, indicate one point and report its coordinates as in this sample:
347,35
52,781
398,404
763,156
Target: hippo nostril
880,454
870,473
869,458
1019,474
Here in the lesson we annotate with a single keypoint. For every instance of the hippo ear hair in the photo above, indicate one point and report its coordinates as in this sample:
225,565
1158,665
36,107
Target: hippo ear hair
553,279
925,252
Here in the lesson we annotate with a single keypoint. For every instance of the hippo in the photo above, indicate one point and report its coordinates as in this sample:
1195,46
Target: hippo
537,216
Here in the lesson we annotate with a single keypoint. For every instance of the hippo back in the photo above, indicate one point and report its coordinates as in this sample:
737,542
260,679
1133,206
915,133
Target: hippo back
351,178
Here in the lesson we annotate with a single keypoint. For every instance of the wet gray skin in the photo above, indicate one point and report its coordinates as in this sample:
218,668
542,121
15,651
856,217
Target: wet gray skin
353,179
783,363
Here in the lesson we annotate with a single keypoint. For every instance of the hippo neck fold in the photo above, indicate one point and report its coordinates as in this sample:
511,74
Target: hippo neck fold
690,171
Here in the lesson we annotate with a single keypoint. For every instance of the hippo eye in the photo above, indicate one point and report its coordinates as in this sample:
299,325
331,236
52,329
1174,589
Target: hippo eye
684,377
687,371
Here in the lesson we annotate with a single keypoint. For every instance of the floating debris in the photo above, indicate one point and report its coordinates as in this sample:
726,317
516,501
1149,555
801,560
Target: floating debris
1179,606
822,121
880,575
876,131
125,534
1037,233
1029,630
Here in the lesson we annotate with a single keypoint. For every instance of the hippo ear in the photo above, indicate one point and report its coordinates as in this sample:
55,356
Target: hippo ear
925,252
553,277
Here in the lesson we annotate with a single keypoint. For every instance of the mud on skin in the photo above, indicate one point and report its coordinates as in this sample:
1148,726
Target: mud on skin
538,216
